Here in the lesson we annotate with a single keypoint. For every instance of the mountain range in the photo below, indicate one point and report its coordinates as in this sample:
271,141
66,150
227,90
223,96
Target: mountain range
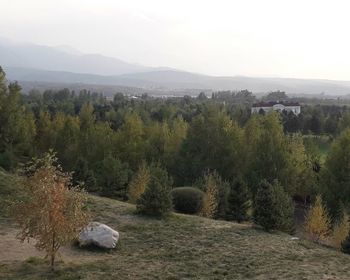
36,64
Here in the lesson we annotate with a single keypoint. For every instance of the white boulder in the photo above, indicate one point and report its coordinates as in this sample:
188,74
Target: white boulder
99,235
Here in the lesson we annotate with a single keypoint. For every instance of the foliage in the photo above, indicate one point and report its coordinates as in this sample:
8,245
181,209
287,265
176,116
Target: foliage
335,175
187,200
273,208
238,202
139,183
213,142
84,176
9,191
340,231
112,176
156,199
317,222
210,205
53,211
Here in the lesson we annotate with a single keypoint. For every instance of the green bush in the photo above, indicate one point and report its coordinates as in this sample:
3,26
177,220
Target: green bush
187,200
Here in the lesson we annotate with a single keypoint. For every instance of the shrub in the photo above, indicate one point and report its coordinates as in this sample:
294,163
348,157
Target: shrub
187,200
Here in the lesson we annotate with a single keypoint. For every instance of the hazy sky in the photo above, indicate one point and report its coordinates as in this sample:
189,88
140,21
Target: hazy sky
285,38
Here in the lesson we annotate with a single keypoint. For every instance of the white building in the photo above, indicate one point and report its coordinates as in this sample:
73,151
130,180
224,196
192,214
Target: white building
276,106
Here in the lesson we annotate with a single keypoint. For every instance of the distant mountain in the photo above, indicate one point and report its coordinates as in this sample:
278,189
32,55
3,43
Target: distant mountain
170,80
63,64
63,58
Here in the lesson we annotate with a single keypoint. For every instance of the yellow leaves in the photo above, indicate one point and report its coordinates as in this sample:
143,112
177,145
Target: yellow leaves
340,231
52,213
139,183
317,222
211,198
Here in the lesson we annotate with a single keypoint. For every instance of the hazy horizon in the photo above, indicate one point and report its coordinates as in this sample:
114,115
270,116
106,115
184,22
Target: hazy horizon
292,39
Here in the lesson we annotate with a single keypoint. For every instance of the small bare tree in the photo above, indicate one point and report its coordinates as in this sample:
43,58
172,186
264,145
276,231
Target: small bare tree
51,211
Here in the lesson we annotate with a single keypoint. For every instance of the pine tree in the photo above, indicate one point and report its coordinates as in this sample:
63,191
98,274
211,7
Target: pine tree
264,207
317,222
238,202
139,183
156,199
85,176
284,208
274,208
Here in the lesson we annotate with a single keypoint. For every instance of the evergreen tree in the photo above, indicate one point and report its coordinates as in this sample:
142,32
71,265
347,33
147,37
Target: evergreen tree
112,177
238,202
284,208
274,209
82,174
264,205
156,199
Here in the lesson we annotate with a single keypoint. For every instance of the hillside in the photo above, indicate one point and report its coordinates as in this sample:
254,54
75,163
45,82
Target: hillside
183,247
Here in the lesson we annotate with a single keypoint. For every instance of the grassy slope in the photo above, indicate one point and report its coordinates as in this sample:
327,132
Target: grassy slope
189,247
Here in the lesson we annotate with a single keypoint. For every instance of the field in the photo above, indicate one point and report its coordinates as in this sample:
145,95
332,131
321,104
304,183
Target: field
182,247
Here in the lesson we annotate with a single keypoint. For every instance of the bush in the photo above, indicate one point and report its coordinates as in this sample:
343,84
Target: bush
187,200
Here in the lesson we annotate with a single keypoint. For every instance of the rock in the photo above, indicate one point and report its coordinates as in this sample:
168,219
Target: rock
99,235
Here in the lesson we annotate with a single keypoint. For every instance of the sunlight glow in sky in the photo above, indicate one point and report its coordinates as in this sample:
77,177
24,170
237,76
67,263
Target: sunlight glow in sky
283,38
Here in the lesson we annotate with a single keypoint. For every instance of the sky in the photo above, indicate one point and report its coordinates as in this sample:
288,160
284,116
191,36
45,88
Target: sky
261,38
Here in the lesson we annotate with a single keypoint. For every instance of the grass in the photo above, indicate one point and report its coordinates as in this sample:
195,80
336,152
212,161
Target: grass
187,247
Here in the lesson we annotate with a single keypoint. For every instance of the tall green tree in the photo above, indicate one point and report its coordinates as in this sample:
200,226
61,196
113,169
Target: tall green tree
214,142
335,174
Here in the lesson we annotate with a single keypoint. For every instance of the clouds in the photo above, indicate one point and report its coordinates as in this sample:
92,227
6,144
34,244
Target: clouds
251,37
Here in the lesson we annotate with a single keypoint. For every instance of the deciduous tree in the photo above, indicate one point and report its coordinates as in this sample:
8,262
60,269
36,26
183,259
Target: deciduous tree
52,212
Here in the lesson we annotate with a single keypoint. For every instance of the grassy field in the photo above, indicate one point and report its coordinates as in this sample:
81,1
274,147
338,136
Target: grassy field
182,247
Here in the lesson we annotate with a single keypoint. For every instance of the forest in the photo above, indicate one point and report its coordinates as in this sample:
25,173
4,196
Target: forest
191,141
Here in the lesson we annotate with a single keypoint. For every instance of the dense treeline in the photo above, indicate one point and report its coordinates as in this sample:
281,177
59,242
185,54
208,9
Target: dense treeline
200,142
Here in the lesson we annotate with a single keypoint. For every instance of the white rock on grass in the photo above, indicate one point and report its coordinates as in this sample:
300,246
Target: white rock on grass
99,235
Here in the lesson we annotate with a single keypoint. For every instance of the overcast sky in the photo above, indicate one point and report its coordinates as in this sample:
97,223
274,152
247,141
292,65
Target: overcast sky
284,38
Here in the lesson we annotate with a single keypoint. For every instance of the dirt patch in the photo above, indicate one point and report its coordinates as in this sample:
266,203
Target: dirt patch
12,249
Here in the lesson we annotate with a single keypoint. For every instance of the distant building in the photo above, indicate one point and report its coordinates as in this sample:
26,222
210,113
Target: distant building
278,106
